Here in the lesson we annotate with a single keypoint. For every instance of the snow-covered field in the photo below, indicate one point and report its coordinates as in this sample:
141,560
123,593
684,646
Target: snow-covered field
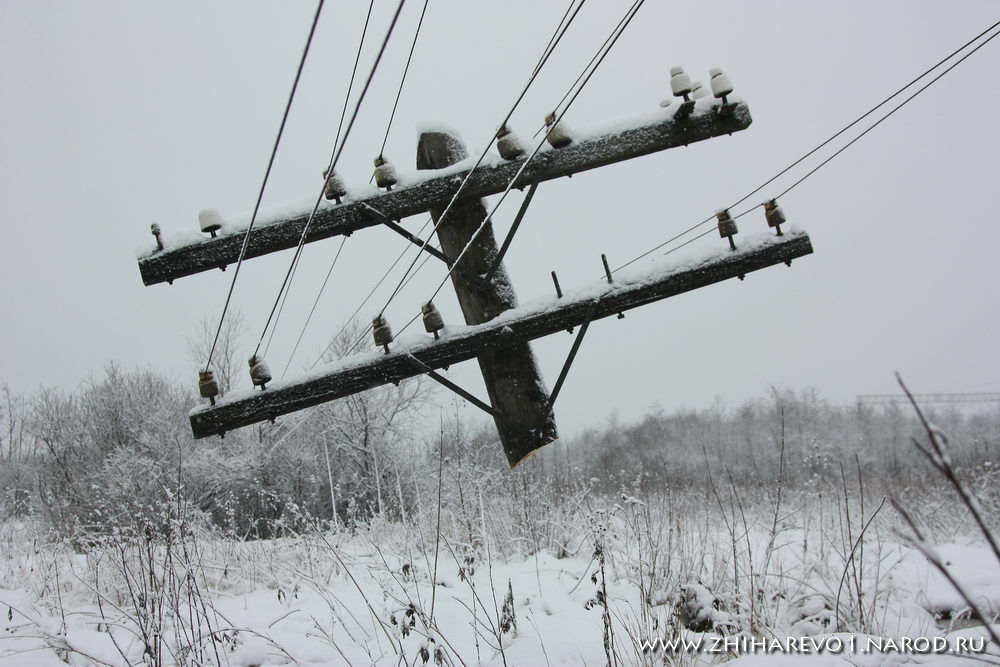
624,572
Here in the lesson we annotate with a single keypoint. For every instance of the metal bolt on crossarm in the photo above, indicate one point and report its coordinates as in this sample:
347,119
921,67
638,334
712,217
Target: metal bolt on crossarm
207,386
607,272
155,229
335,187
559,293
433,322
555,281
721,85
210,221
382,332
509,144
385,173
559,135
260,373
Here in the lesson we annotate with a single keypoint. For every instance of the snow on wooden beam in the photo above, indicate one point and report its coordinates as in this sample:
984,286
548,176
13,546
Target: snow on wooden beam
364,371
661,130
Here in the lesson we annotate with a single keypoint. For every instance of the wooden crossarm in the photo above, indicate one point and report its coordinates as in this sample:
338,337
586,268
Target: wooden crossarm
656,132
368,370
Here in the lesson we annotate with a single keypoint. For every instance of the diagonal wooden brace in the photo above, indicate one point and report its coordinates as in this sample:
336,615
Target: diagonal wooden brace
510,233
572,352
445,382
399,229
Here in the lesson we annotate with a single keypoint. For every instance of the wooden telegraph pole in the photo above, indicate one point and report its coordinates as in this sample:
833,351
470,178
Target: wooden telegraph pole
500,331
516,389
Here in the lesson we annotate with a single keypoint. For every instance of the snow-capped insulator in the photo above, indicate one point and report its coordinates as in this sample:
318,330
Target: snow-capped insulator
666,102
335,188
207,386
698,91
558,135
155,228
509,144
775,216
433,322
680,83
210,221
260,374
721,85
382,332
385,173
727,226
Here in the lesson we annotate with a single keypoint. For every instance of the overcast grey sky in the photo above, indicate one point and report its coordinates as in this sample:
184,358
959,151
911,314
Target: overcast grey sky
119,114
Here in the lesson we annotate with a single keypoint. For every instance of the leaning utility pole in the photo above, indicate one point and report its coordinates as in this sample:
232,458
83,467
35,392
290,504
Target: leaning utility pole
515,387
500,331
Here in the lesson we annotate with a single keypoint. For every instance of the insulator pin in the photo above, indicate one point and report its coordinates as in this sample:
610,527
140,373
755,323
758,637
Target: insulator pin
775,216
207,386
727,227
155,229
607,272
385,173
335,188
260,374
509,144
382,332
433,322
559,135
210,221
721,85
680,83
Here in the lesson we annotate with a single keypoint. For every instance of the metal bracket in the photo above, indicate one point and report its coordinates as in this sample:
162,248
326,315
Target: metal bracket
437,377
510,233
572,352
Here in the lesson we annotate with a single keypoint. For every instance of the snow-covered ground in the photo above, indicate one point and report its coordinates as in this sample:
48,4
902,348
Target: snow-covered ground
336,598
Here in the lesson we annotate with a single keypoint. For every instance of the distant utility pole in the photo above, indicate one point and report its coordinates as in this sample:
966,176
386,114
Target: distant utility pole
519,401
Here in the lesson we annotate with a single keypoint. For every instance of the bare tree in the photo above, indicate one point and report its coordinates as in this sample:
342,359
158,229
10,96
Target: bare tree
368,430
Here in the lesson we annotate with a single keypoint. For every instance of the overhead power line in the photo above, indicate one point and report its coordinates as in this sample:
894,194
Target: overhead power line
554,40
607,49
340,125
550,48
402,81
267,174
334,157
834,136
